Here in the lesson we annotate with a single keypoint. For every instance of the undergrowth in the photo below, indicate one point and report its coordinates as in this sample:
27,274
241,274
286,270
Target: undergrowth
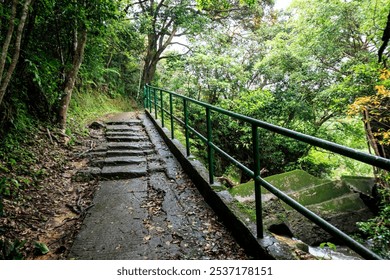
377,229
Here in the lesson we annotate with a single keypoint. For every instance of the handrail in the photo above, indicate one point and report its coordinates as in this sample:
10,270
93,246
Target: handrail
151,98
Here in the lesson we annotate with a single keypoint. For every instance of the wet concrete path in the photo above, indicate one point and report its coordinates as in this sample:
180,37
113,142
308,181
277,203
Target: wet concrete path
146,207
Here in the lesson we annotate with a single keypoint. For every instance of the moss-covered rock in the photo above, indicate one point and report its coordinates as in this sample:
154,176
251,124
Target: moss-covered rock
338,202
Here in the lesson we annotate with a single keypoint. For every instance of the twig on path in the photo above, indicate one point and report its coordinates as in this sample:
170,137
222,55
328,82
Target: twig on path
49,134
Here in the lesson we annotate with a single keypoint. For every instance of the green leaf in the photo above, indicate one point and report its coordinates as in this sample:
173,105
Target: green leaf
41,248
328,245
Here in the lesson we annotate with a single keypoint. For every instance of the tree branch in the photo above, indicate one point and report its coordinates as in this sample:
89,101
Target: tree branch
385,39
180,44
128,6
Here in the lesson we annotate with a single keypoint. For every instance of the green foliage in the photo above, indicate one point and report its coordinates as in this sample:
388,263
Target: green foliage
41,248
329,247
300,69
325,164
11,250
377,230
111,59
112,62
17,161
233,173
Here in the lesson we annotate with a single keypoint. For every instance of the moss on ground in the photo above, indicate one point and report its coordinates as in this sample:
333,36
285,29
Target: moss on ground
289,181
246,189
294,180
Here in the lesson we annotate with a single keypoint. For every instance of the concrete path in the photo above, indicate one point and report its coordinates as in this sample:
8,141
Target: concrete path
146,207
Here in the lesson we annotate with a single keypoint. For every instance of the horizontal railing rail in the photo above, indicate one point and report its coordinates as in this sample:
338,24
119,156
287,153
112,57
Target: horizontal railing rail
154,101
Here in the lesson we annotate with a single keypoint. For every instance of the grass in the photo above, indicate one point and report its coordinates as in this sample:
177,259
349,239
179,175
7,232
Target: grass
248,209
88,106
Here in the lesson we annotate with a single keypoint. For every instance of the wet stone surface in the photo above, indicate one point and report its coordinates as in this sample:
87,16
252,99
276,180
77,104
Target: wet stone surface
153,211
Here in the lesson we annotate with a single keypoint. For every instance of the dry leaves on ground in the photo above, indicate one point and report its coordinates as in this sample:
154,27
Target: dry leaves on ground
42,216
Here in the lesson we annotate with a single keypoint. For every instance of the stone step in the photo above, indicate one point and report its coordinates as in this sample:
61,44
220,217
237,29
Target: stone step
124,160
128,152
128,122
100,148
124,171
85,175
125,133
129,146
156,166
347,203
360,184
119,160
343,212
344,204
295,180
123,127
127,138
321,193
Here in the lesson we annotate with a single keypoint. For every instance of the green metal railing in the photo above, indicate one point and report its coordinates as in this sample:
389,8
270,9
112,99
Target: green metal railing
154,101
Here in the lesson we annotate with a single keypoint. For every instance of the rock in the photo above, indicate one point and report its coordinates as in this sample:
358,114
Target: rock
86,175
97,125
339,202
226,196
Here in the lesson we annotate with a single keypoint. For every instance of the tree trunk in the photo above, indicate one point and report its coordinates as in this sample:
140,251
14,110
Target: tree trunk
149,71
18,39
370,135
7,41
71,77
156,46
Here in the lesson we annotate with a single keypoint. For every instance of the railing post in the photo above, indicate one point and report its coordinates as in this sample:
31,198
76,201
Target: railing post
145,97
256,167
171,112
155,103
162,108
150,100
210,150
186,127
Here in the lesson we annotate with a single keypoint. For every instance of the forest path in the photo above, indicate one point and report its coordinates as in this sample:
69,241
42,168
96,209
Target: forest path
145,206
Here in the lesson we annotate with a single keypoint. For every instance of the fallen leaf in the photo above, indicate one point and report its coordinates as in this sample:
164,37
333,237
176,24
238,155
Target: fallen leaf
147,238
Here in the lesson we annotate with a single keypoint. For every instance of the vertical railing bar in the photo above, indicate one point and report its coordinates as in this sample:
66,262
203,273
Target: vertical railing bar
145,97
155,104
187,135
256,170
150,100
162,107
210,150
171,112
